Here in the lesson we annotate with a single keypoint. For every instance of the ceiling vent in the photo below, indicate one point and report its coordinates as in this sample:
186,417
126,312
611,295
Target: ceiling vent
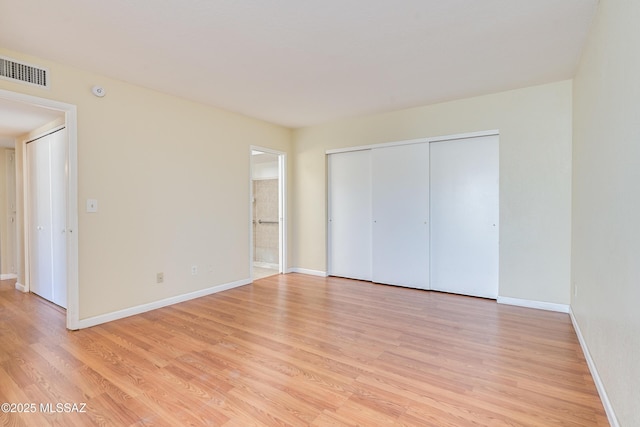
21,72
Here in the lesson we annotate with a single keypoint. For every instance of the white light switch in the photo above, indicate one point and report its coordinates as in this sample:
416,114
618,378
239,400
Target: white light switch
92,205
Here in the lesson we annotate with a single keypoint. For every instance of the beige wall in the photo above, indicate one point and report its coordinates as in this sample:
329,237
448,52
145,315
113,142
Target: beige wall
535,179
606,203
172,182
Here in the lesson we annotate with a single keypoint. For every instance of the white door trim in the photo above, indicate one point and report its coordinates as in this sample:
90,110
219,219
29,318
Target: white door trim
71,122
416,141
282,208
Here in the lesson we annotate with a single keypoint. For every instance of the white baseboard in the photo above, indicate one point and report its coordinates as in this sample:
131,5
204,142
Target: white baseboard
108,317
540,305
21,287
611,416
309,272
8,276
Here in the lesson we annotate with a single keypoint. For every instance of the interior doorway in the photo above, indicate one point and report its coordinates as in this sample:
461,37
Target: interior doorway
267,213
21,117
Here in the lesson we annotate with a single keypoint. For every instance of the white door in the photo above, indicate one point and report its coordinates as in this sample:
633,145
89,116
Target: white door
464,216
40,252
401,215
12,235
350,214
46,159
58,159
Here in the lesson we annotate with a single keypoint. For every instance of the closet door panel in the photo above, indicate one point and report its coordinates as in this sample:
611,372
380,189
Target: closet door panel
464,216
46,165
350,214
58,156
400,186
40,243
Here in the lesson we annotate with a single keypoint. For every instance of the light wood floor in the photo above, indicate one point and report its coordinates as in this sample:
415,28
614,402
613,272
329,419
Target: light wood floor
300,350
261,272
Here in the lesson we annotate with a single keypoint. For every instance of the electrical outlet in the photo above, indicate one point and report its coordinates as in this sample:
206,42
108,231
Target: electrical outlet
92,205
210,268
159,277
194,270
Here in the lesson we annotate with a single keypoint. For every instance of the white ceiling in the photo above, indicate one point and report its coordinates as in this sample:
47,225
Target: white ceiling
17,118
299,63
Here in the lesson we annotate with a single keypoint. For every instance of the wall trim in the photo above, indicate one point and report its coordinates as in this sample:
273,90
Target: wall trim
21,287
8,276
540,305
415,141
131,311
608,408
307,271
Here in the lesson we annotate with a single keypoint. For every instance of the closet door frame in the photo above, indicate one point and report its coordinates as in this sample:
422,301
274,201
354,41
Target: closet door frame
469,135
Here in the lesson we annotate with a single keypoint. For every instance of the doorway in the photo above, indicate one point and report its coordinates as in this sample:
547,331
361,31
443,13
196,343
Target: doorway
267,213
26,115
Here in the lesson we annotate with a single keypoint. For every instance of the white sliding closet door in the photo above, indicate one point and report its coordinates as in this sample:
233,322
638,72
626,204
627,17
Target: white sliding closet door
46,159
400,215
350,214
464,216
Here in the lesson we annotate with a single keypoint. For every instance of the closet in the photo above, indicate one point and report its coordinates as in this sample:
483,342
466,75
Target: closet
421,214
46,206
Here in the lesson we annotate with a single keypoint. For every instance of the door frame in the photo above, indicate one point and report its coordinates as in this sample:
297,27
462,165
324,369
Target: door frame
282,208
440,138
71,123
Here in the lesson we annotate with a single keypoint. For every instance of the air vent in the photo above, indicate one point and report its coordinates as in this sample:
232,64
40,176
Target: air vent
21,72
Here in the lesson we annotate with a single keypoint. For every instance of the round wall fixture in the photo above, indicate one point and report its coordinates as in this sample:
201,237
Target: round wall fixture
98,91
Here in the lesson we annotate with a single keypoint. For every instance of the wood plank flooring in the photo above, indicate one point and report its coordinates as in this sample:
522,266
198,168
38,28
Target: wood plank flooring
298,350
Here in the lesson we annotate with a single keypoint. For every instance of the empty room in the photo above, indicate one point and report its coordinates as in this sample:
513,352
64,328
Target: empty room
356,213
